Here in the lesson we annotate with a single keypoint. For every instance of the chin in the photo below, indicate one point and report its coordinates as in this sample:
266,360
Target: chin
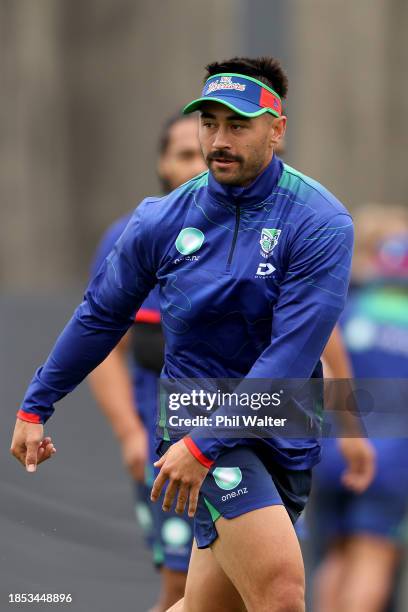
227,179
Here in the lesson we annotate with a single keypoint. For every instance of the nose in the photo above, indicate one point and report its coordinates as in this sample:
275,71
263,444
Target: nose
221,139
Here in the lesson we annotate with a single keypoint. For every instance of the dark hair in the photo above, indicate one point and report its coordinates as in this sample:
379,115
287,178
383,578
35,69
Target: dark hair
268,70
164,136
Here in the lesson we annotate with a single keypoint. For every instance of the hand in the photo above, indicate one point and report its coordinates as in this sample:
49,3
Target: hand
29,446
185,475
135,452
360,458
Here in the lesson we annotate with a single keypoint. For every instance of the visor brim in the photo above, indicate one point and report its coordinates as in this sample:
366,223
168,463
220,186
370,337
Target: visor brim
246,109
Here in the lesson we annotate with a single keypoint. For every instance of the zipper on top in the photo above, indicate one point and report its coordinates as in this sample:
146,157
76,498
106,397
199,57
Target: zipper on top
234,239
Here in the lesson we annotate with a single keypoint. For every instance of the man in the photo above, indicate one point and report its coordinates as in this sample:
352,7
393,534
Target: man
128,398
253,262
361,537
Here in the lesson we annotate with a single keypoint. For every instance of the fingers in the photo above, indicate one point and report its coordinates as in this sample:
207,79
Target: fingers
175,488
182,498
158,486
160,461
37,453
32,446
193,501
33,452
29,446
46,451
171,492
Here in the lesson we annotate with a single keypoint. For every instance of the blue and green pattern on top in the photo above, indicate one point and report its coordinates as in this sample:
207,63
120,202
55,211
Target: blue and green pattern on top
257,297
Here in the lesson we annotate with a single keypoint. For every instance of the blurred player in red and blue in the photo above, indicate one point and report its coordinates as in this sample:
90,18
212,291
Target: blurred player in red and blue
128,395
361,535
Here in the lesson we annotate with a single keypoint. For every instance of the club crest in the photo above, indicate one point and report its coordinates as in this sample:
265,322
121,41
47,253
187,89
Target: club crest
269,240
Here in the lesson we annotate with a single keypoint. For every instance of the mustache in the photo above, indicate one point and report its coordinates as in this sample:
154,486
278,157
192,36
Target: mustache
224,155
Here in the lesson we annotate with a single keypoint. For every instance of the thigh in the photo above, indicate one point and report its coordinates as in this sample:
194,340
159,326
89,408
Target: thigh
208,588
260,553
237,483
243,480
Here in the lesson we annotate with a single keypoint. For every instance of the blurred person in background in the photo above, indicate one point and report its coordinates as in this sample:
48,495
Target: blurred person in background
360,536
127,393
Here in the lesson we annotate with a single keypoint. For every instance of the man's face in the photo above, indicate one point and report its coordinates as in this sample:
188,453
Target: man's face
235,148
183,158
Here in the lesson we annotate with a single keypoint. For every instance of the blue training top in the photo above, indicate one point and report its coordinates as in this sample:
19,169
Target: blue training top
145,381
251,281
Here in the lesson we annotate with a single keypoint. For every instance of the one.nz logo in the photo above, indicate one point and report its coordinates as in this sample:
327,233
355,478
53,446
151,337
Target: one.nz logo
269,240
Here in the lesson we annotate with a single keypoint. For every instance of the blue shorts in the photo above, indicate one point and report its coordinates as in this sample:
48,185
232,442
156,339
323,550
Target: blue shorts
380,510
173,538
243,479
167,534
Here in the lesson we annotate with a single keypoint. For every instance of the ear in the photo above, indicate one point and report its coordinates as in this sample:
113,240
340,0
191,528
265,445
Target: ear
162,166
278,131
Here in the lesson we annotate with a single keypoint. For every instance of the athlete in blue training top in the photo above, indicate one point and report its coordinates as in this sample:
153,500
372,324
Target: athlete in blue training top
252,260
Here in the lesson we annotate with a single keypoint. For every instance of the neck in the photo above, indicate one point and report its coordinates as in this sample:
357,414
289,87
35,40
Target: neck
252,195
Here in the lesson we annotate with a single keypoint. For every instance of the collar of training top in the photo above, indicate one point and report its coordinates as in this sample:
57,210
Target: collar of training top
243,94
255,195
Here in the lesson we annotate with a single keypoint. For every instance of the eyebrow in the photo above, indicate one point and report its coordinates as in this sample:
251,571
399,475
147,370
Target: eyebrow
234,117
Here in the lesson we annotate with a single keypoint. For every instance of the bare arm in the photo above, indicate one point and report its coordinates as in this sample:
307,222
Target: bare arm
335,358
357,451
112,387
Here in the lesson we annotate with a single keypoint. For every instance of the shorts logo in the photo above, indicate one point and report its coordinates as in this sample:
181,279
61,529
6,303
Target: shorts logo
189,240
269,240
176,532
144,517
227,478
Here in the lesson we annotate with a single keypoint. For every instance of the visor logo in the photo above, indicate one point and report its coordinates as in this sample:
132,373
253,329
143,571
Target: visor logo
224,82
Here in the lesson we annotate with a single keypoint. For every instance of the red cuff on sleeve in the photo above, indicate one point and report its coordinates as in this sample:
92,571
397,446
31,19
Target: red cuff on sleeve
195,451
30,417
145,315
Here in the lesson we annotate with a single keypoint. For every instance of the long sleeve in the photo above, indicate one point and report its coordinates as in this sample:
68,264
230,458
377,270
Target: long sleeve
107,311
312,296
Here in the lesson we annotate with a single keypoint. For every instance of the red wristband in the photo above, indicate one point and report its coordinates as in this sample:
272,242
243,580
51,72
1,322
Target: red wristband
195,451
30,417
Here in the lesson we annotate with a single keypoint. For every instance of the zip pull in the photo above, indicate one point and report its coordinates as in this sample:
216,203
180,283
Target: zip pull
234,239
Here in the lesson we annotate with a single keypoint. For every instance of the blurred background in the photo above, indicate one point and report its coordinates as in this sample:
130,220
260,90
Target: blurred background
85,88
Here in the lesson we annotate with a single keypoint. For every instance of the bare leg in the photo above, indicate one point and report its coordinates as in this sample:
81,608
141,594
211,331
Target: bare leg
328,580
172,589
370,566
208,589
260,553
178,607
255,565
